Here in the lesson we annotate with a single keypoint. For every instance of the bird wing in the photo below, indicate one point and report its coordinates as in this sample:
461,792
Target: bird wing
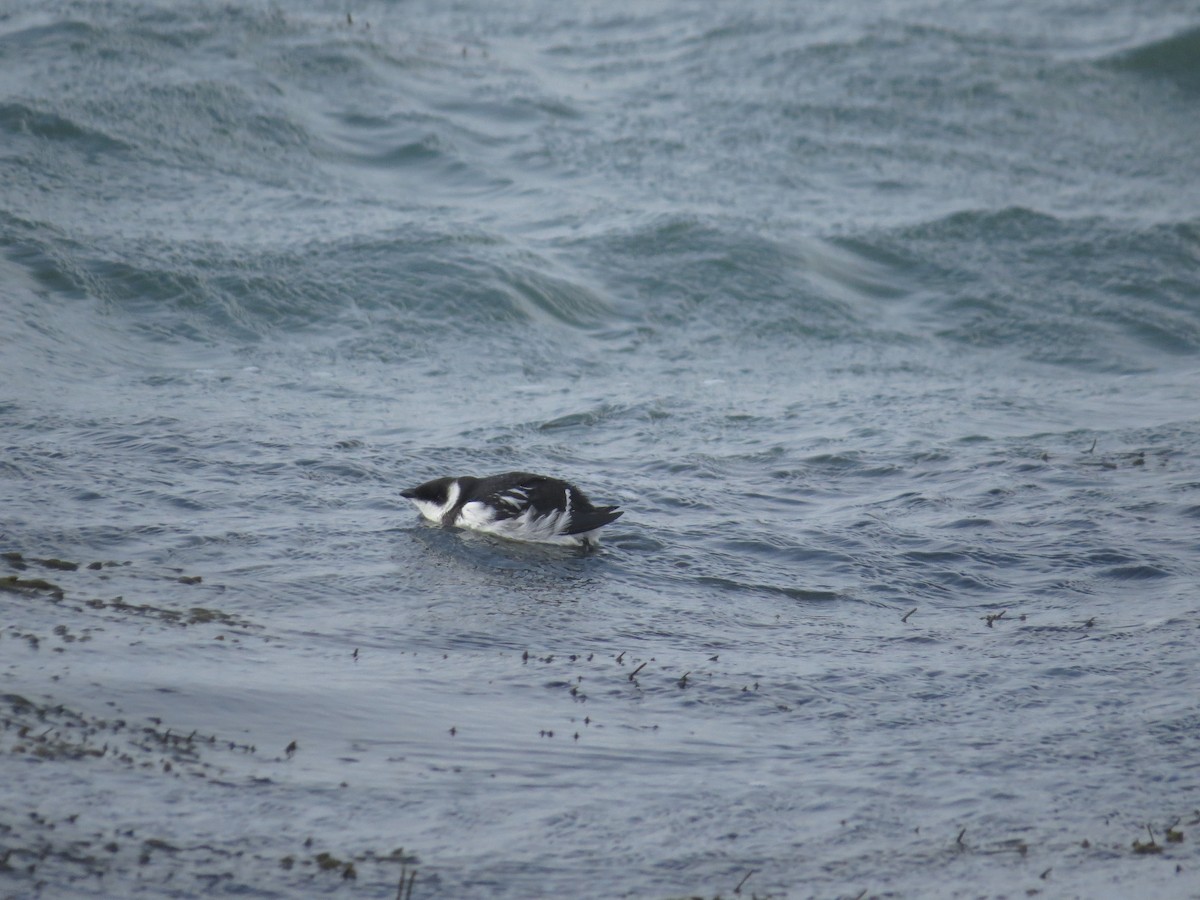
514,494
517,493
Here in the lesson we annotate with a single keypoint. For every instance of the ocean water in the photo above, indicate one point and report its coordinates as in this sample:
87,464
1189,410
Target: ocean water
880,321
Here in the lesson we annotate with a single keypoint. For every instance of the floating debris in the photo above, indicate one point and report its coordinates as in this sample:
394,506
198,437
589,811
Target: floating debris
745,878
30,586
326,861
1148,847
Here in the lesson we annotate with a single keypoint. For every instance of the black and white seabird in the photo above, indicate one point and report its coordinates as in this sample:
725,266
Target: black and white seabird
517,505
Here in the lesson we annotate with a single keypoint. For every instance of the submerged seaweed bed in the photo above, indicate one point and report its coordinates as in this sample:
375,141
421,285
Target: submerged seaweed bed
58,834
180,828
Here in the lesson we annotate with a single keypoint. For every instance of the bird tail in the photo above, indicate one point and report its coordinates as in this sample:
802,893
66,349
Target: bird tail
596,518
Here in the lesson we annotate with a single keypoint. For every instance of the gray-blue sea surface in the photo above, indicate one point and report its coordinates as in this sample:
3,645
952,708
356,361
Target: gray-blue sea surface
880,321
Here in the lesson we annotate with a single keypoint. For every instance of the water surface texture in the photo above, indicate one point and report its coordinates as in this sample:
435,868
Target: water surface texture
881,322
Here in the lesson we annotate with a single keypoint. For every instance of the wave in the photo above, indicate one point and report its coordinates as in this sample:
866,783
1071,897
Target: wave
1096,293
382,295
19,119
1176,58
730,281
